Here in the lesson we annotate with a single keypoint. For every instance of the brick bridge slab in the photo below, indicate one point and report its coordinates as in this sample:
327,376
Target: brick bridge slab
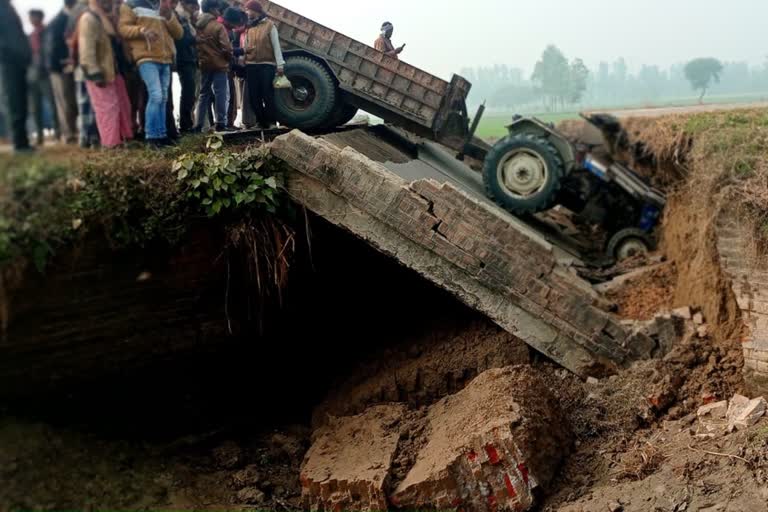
462,245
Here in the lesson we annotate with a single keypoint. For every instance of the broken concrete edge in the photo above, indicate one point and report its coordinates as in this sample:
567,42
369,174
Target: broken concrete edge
461,245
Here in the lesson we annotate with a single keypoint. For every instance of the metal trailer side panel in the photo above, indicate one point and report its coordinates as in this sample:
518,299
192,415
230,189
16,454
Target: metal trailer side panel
370,75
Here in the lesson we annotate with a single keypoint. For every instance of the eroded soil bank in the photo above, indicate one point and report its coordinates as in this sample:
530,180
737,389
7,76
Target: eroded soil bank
228,424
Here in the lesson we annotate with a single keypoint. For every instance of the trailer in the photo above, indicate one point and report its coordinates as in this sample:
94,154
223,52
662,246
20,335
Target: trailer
334,75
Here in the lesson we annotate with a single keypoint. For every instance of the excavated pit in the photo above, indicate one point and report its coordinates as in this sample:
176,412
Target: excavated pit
206,417
344,304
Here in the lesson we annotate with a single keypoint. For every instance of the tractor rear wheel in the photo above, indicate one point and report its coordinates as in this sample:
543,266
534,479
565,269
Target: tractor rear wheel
629,243
523,174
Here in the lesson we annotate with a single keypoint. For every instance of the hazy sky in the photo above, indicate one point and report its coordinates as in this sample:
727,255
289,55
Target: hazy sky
444,36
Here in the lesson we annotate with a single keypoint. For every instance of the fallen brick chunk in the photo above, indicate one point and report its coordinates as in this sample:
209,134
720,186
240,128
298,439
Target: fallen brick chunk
744,413
347,467
489,446
712,416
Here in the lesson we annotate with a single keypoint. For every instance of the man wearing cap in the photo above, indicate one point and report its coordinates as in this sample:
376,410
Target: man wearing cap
384,42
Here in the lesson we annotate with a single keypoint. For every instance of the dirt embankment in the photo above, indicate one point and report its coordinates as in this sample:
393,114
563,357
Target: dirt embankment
635,445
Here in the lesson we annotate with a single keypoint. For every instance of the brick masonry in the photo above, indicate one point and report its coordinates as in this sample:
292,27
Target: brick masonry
464,246
750,285
97,311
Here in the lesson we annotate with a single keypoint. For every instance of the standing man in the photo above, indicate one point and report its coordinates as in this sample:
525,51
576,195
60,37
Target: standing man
263,60
15,57
214,50
384,42
57,60
40,94
150,29
186,63
105,83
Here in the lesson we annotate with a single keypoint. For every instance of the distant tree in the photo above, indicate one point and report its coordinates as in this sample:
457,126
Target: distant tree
701,73
577,81
552,75
652,79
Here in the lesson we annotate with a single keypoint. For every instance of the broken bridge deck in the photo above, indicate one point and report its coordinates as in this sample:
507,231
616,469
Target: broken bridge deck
440,225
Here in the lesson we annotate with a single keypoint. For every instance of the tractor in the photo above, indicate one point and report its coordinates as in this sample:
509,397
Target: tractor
535,168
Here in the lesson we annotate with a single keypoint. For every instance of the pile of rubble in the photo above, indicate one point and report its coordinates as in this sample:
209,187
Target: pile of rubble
727,416
665,330
491,446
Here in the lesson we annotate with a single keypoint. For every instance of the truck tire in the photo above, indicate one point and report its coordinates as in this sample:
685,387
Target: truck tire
341,115
628,243
313,97
523,174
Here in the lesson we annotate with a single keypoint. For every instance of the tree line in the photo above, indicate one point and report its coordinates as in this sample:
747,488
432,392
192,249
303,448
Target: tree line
559,83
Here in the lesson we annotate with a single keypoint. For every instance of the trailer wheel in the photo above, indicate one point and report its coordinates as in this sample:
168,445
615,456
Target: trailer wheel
628,243
522,173
341,115
308,104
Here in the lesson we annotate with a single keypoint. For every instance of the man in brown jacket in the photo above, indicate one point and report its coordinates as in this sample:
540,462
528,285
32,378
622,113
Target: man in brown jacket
150,29
263,60
214,53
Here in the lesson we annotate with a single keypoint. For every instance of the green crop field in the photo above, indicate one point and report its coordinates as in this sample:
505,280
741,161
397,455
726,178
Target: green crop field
493,126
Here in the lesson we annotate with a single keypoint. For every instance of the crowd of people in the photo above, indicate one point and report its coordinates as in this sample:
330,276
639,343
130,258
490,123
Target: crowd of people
106,66
100,72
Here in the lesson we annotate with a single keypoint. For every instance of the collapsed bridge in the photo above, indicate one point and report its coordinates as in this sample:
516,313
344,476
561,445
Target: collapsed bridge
432,219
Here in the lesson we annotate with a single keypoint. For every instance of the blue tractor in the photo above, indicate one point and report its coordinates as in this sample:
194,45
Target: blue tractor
535,168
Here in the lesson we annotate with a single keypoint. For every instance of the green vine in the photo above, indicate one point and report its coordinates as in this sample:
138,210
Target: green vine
51,202
222,181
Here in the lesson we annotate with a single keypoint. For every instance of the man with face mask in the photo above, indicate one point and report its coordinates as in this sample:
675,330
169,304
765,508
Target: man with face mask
384,42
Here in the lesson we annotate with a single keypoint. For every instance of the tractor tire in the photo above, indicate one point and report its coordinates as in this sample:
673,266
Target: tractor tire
341,115
523,174
628,243
309,104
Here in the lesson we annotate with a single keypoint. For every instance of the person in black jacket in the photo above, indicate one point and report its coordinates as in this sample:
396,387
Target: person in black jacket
57,60
15,58
186,63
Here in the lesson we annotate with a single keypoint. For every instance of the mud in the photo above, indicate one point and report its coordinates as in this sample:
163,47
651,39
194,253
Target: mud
420,371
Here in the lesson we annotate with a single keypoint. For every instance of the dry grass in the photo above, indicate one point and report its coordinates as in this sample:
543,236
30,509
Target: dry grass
641,460
717,161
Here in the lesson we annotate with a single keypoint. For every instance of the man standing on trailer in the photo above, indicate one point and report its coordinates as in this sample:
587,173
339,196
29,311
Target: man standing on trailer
384,42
